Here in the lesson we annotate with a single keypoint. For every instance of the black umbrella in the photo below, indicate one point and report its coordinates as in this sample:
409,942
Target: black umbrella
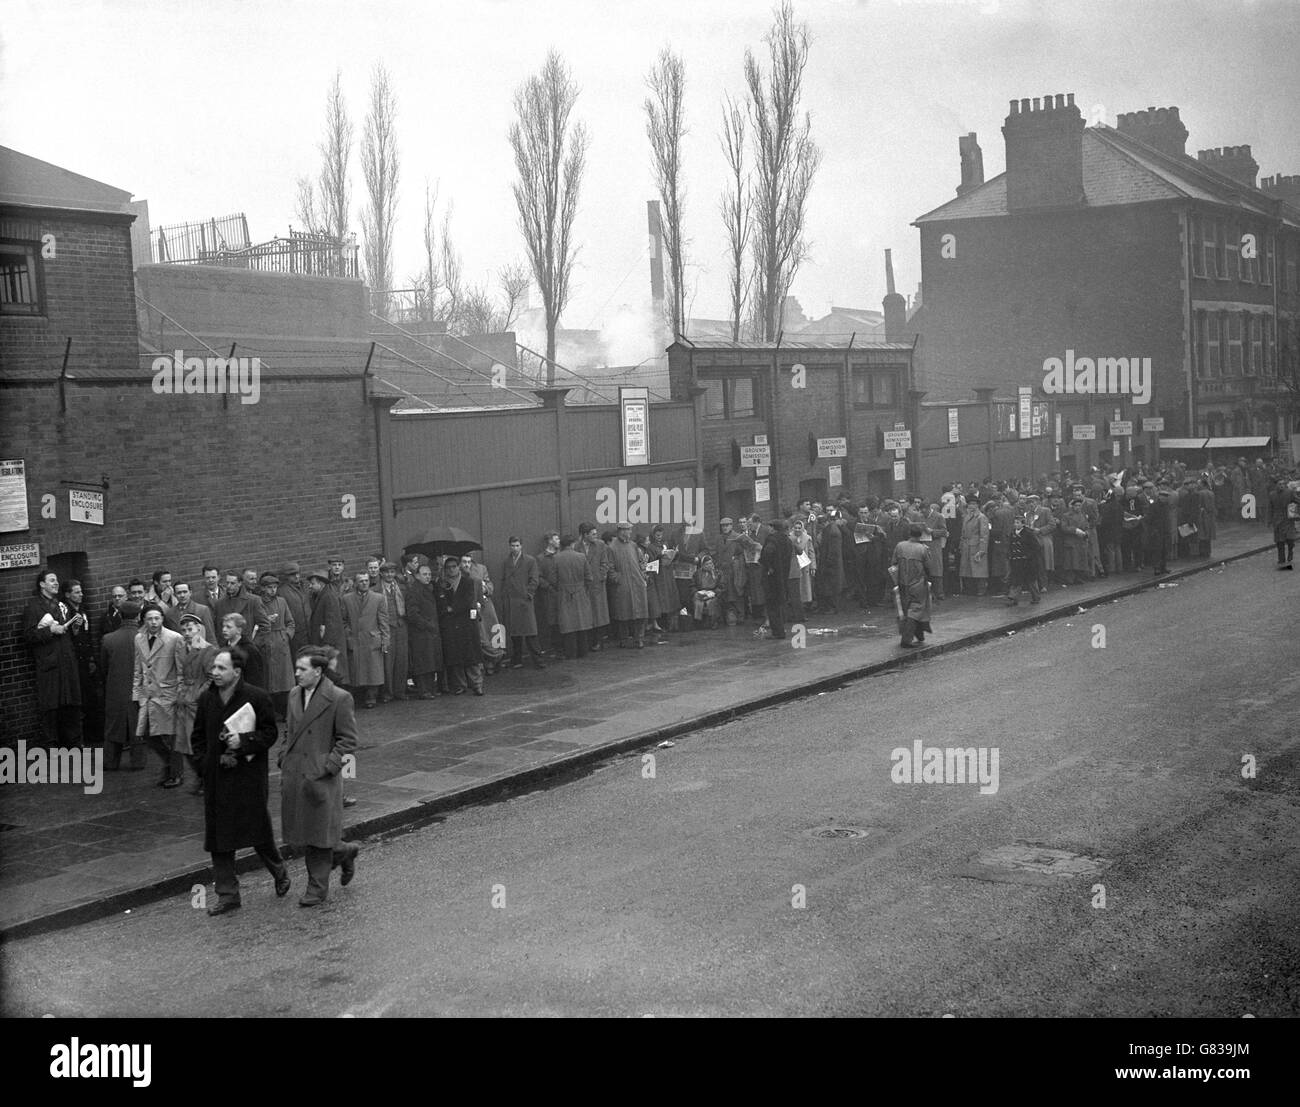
441,541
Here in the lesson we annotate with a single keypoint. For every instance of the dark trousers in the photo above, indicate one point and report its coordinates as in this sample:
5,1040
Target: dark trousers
465,676
321,860
575,643
162,744
1289,549
595,635
61,727
225,877
395,662
630,630
774,601
517,644
113,755
426,684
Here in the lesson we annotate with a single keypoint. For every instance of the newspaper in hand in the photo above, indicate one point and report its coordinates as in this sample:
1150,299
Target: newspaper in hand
243,721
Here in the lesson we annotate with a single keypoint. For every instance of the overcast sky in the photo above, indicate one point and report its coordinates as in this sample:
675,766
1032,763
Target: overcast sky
216,107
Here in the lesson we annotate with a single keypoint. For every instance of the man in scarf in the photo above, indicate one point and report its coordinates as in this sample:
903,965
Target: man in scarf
458,614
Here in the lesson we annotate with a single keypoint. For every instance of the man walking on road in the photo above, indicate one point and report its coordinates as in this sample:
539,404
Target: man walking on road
234,728
322,733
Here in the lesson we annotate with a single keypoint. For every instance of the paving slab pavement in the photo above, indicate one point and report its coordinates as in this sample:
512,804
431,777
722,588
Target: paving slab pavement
67,856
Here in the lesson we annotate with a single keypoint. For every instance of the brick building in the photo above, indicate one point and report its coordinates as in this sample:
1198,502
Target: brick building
183,478
1102,242
790,396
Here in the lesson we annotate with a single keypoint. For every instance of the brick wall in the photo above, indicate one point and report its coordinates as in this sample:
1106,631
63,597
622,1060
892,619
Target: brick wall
87,293
1105,283
189,481
209,299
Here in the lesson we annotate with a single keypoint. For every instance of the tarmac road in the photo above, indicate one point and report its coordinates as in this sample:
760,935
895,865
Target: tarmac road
630,895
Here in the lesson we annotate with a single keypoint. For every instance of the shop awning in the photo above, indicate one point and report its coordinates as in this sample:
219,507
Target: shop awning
1183,443
1256,443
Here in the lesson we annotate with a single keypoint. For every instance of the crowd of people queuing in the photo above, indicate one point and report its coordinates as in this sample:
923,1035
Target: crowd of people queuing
440,625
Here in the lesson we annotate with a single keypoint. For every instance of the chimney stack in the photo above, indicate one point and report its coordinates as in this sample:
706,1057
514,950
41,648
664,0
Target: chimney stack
1158,127
1231,161
972,163
1286,189
894,305
1044,153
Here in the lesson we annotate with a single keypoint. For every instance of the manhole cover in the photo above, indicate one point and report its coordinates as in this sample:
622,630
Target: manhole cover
1031,864
838,831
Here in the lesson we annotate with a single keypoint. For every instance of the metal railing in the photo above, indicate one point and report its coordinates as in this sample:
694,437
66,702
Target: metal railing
300,253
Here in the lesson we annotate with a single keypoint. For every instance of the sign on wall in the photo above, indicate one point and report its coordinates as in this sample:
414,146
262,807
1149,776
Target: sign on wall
86,507
751,457
15,557
898,440
952,425
762,490
634,404
1026,411
1150,425
832,447
1082,431
837,476
13,495
900,470
1120,428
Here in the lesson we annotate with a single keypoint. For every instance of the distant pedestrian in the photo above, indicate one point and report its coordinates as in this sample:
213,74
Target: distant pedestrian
157,684
774,561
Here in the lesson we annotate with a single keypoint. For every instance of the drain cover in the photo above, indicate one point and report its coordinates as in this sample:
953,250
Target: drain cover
838,831
1031,864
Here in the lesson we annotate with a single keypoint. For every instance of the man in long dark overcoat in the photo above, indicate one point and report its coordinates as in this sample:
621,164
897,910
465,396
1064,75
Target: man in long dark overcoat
322,732
46,626
520,579
325,620
121,712
235,789
775,560
462,646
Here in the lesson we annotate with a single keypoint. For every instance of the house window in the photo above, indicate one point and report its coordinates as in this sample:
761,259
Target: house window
1234,343
1195,242
1202,330
1290,268
20,279
875,389
1221,238
1215,363
730,397
1245,265
1265,263
1210,251
1256,344
1270,347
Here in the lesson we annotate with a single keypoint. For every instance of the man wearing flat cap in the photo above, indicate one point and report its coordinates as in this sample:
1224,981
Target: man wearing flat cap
277,654
325,621
393,592
293,590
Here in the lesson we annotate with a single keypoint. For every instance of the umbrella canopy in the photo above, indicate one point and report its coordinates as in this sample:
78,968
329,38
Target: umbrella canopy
441,541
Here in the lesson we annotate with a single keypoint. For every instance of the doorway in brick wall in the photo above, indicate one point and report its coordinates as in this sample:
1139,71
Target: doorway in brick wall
70,566
814,489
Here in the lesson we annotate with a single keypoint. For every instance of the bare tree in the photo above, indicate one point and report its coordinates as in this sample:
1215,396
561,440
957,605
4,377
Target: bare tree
514,281
786,160
550,155
665,125
736,212
324,205
379,164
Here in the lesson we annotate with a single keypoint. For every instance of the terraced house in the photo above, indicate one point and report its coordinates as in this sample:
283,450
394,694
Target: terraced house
1114,242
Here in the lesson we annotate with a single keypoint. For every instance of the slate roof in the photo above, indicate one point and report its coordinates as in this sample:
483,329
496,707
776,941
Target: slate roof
1119,169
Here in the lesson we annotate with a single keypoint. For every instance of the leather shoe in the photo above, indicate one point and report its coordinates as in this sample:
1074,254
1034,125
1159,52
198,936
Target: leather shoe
222,906
349,866
310,901
282,881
